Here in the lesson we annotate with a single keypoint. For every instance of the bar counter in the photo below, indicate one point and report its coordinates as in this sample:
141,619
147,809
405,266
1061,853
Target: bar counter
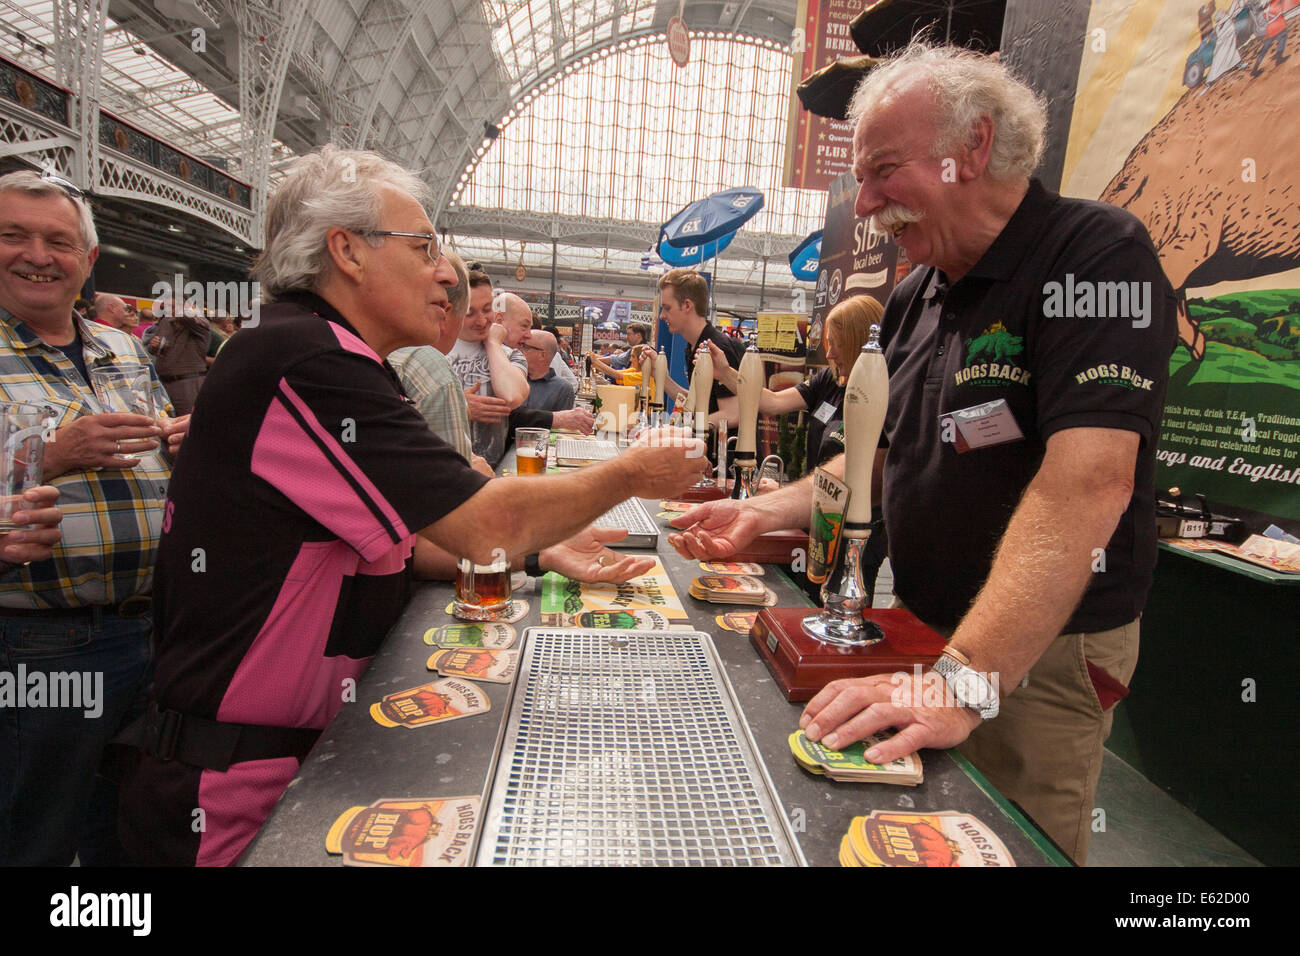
357,761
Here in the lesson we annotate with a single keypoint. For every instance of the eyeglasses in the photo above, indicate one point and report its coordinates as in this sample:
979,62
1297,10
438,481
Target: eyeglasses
435,250
532,348
72,190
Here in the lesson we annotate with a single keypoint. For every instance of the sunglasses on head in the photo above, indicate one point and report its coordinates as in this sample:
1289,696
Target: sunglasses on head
70,188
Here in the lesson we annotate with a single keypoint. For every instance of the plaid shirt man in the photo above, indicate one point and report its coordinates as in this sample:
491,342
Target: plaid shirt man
437,393
112,519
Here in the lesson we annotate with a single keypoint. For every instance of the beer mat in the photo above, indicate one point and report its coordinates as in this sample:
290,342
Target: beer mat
742,622
849,765
421,831
643,620
733,567
489,634
732,589
448,699
563,599
494,666
946,838
846,853
678,507
518,611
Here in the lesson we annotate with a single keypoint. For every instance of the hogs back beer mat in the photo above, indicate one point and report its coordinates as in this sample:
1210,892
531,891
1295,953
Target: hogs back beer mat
440,700
518,611
563,599
731,589
742,622
848,764
476,663
423,831
732,567
487,634
948,838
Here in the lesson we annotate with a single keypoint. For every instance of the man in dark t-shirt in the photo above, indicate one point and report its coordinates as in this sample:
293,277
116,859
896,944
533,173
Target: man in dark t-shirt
684,305
308,498
1028,354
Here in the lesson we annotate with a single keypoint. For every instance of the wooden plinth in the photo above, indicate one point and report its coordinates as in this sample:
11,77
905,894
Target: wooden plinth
803,665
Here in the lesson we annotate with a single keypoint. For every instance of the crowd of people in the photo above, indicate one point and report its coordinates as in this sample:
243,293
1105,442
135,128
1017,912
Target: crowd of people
348,445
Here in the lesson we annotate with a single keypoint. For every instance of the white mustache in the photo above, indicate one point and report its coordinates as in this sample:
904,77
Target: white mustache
895,216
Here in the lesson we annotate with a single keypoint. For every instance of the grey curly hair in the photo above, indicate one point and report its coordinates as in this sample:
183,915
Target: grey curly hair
34,184
966,86
329,188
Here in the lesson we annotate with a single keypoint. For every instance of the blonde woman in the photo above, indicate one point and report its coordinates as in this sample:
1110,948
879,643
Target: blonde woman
847,328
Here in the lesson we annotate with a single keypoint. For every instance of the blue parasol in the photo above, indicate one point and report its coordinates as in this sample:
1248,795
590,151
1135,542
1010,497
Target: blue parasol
691,255
806,257
713,217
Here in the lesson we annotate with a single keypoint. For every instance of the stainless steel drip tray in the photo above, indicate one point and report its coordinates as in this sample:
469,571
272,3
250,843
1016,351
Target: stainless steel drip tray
627,747
632,516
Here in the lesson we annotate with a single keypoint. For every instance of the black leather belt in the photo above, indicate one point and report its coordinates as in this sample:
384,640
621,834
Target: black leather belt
137,605
180,378
213,744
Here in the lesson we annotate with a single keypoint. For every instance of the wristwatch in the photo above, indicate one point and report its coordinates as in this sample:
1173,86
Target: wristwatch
971,688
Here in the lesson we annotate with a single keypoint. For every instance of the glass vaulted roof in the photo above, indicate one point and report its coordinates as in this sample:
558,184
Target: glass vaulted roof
625,134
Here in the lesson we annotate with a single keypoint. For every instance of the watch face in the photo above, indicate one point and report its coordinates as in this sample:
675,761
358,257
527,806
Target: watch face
971,690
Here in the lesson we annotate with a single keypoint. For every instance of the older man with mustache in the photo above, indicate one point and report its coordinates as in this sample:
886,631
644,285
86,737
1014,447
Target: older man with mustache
1031,543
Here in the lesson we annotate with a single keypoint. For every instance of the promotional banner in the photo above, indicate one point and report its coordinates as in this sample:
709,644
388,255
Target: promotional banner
1185,116
817,148
855,260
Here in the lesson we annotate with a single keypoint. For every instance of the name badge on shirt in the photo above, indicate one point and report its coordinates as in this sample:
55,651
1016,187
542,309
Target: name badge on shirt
824,413
979,426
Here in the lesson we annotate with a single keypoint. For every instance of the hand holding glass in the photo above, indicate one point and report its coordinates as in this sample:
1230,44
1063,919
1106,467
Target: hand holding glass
128,391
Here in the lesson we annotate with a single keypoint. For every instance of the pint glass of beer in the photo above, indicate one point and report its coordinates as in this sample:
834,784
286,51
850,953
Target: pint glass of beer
482,590
530,450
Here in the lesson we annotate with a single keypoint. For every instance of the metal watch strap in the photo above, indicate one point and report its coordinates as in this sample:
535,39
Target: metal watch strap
951,668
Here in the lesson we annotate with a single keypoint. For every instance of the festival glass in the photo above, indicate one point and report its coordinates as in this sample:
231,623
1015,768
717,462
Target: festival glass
531,445
482,590
22,428
127,391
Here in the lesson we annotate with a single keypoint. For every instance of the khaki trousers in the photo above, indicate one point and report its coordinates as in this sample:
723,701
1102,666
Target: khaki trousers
1044,748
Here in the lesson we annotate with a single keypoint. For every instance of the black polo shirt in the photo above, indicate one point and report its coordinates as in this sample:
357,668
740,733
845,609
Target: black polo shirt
823,396
1041,321
734,349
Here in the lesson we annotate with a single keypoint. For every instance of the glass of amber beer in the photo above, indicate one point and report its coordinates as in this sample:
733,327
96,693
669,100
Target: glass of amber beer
530,450
482,590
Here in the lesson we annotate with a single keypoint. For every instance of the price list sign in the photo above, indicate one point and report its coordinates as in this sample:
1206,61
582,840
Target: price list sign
818,149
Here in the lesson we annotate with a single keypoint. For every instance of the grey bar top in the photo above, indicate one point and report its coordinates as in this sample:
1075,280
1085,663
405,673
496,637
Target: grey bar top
357,761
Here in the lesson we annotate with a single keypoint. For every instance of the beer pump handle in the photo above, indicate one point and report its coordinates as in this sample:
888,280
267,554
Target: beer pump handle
750,392
661,377
865,400
701,387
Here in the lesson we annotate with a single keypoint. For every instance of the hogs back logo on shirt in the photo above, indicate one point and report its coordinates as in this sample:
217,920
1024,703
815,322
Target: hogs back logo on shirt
991,359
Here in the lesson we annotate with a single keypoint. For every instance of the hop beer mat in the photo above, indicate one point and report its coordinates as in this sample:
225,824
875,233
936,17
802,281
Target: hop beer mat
425,831
440,700
563,599
848,764
518,611
489,634
732,589
888,838
742,622
732,567
494,666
